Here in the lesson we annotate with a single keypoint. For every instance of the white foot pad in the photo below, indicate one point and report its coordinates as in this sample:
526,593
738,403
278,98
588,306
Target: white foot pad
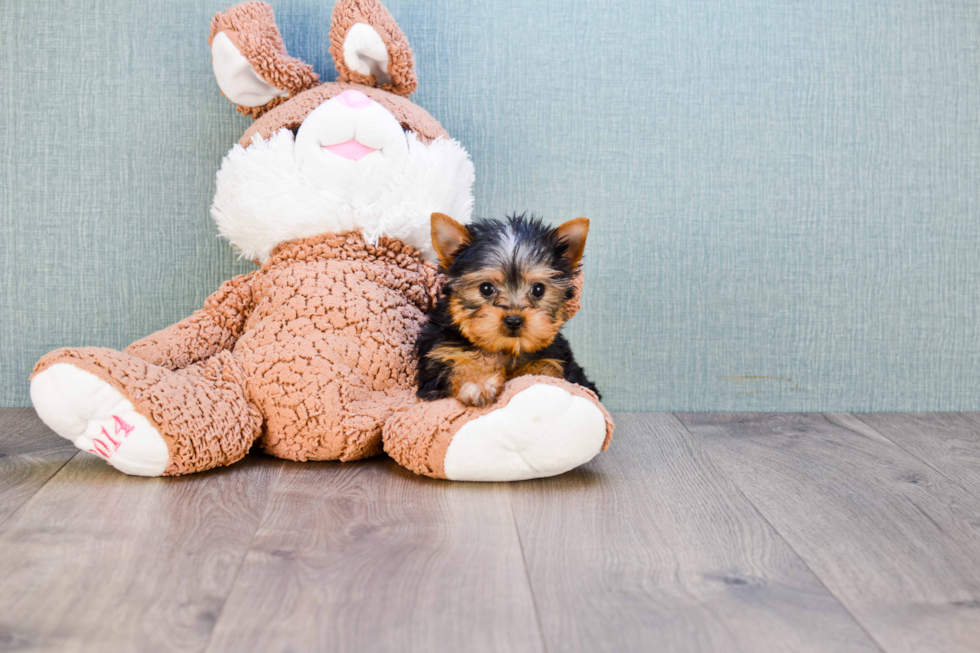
97,418
542,431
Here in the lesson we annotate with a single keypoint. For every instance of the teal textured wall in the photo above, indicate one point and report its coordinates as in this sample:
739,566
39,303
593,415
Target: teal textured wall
785,196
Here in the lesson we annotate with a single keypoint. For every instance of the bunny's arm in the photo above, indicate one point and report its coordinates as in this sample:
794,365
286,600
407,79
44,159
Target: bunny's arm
206,332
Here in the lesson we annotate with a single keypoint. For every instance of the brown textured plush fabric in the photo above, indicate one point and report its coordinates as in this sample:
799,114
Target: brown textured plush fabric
212,329
417,436
401,64
201,411
251,27
311,355
292,114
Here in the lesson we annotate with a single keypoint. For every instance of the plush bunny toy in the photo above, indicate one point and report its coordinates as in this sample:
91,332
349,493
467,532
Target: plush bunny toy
330,192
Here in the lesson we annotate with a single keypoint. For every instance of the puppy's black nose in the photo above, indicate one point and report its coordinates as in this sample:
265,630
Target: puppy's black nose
513,322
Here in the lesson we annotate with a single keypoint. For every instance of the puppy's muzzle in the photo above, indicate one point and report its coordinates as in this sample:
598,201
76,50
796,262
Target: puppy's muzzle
514,322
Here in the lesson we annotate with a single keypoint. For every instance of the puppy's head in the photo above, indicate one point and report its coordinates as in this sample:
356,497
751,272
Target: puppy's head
509,282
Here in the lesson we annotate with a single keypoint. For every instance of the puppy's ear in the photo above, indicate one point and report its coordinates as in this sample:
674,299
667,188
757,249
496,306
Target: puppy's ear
369,48
250,62
448,236
573,234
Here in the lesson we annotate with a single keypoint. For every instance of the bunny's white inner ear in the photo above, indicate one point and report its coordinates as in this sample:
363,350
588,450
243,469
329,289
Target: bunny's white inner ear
365,52
237,78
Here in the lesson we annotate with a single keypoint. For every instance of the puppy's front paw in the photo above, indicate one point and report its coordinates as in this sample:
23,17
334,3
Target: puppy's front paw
481,392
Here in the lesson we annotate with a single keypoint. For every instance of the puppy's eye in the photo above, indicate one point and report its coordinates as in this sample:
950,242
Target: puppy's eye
487,289
537,290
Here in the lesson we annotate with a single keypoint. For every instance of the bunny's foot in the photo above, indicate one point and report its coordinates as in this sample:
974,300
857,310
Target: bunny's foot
144,419
97,418
539,426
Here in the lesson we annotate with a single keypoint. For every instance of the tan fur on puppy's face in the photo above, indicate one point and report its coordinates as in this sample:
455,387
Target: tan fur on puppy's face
481,318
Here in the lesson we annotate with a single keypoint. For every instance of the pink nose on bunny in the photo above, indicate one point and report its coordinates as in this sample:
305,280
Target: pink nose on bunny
354,99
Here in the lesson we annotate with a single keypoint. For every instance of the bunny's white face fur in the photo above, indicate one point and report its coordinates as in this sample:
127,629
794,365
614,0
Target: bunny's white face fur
350,164
348,138
295,187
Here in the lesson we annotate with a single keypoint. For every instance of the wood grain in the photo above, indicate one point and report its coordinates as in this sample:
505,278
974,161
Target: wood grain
30,454
895,541
724,533
650,547
100,561
368,557
947,442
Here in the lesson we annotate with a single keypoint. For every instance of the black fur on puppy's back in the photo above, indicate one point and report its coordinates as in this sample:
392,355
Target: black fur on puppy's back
561,350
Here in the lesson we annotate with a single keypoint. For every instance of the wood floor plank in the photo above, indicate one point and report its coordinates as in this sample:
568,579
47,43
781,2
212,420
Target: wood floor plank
895,541
101,561
949,442
30,454
369,557
650,547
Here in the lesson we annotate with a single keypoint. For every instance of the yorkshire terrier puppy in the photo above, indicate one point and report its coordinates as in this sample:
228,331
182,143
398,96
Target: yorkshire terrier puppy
507,288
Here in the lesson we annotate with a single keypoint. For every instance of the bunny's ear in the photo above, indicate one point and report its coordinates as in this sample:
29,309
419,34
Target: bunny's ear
250,62
368,47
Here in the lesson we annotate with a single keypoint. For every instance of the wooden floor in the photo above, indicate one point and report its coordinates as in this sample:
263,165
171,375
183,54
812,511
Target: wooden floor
695,532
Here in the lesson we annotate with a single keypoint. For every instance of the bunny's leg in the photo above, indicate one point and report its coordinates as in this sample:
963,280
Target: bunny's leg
538,426
144,419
